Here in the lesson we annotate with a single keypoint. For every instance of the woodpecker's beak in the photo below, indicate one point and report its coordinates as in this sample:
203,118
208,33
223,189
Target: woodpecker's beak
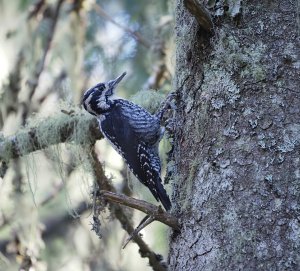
114,83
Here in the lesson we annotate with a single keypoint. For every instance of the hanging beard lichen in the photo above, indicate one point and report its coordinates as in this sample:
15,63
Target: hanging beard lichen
72,127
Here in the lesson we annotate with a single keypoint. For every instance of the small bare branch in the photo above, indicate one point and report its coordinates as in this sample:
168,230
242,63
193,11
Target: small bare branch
154,211
36,8
33,82
144,223
137,36
64,127
124,220
200,13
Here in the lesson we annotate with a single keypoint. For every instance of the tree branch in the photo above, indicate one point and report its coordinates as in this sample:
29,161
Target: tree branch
33,82
200,13
154,211
66,126
57,129
134,34
120,214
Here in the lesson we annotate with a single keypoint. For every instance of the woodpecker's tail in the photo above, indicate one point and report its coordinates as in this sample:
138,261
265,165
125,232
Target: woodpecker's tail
163,196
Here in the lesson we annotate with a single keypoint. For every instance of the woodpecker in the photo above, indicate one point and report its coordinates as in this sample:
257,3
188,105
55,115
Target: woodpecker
133,132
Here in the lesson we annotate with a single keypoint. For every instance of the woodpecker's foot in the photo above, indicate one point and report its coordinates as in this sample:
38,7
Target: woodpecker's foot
168,103
170,126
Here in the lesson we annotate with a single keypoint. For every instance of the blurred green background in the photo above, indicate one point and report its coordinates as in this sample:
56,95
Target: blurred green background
51,51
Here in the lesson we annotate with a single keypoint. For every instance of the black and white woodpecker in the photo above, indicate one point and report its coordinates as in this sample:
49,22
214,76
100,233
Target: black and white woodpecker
133,132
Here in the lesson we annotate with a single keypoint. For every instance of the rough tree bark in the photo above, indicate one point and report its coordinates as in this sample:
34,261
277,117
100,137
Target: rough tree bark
236,157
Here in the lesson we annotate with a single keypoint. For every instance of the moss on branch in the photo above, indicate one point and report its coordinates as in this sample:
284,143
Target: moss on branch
75,127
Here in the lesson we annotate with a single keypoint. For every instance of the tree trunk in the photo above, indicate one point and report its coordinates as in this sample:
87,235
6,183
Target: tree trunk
236,156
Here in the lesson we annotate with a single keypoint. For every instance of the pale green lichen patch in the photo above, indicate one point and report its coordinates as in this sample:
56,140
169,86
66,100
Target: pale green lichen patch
65,138
6,150
68,124
24,141
253,56
231,62
290,138
148,99
220,84
189,187
239,59
73,120
294,231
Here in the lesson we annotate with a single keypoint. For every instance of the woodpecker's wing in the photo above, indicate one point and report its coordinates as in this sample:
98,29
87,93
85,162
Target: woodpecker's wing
141,157
145,126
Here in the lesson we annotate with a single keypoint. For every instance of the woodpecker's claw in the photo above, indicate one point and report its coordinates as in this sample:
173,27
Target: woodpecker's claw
166,104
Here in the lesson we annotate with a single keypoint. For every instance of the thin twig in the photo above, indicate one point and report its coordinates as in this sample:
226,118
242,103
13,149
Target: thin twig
33,82
144,249
157,77
137,36
53,194
145,222
36,8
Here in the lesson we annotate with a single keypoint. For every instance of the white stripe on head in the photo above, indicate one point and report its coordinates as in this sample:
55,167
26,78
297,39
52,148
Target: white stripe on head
88,104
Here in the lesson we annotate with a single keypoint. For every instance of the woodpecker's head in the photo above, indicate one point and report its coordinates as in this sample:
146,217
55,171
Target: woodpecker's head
99,98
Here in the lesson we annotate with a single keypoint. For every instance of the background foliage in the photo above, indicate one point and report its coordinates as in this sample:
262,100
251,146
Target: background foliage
51,51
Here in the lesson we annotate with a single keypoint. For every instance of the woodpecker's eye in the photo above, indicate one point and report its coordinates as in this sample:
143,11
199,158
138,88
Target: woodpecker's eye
99,87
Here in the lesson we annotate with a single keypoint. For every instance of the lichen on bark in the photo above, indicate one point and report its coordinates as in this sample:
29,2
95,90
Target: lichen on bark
236,152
